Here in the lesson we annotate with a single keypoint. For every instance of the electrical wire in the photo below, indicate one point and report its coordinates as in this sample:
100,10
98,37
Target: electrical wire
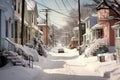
51,8
70,4
65,5
57,5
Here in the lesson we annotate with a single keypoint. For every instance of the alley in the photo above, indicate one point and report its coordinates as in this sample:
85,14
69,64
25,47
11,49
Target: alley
65,66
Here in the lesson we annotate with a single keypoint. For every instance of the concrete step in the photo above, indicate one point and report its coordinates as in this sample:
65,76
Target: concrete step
15,60
5,54
18,63
11,57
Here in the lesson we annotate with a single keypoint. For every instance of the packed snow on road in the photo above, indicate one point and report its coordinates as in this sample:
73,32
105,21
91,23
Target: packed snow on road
63,66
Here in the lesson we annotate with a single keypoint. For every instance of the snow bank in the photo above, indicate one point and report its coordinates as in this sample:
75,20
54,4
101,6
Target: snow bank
28,51
18,73
108,56
95,45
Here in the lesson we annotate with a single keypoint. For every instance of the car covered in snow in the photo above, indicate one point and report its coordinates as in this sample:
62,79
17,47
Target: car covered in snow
60,50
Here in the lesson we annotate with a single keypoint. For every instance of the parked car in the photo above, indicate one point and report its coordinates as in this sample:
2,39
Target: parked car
60,50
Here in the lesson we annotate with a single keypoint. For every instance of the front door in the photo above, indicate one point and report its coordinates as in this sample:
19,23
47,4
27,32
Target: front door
16,32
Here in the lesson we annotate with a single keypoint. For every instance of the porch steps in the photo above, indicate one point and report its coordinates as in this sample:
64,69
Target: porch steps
15,58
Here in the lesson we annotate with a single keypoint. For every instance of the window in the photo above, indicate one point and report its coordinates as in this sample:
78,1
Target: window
12,31
118,32
16,29
6,29
14,4
41,29
32,18
18,7
105,13
0,18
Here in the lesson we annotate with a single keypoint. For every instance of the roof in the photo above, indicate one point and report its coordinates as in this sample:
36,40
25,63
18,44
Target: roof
101,5
32,6
97,26
88,17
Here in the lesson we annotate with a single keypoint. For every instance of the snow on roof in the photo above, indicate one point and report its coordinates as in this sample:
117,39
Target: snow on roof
76,28
74,39
95,15
41,24
37,29
31,5
28,51
19,18
97,26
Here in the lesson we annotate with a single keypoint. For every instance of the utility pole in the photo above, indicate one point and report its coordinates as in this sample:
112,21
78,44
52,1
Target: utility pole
79,24
53,36
22,23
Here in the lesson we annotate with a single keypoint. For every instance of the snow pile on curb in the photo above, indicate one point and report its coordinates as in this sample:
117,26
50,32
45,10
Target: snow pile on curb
18,73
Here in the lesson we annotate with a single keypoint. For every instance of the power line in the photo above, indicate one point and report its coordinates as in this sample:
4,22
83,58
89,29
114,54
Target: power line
69,4
64,5
57,4
43,1
50,8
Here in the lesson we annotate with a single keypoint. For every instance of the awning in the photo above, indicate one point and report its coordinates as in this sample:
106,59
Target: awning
74,39
97,26
37,29
18,18
116,25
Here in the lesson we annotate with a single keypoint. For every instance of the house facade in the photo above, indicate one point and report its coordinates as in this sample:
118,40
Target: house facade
32,21
46,33
89,23
116,28
107,19
18,19
6,21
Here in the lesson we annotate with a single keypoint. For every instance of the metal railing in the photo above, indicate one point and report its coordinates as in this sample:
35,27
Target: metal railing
9,45
30,61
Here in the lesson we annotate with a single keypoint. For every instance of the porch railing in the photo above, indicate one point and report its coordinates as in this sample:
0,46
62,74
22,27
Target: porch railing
8,45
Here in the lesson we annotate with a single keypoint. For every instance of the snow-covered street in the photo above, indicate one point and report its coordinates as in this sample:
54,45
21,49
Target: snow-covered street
61,66
66,66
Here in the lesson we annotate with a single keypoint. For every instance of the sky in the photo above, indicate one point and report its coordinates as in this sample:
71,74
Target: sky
62,6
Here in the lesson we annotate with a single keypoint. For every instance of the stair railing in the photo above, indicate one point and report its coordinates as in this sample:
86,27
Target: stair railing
9,45
30,61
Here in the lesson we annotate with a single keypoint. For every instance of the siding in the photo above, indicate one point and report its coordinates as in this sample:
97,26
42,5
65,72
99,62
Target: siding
117,43
93,21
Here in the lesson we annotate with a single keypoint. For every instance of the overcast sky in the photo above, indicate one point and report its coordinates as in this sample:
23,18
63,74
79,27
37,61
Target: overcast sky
62,6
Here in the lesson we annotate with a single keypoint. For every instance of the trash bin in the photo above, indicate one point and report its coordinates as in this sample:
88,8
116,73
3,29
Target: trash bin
114,56
101,58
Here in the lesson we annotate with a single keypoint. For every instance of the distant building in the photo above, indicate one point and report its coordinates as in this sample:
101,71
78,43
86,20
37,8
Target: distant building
75,38
46,33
